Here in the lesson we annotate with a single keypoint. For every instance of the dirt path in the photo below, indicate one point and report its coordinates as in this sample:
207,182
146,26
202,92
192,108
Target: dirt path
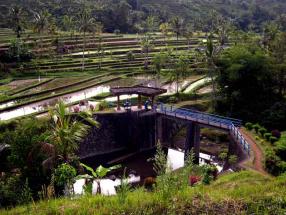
258,156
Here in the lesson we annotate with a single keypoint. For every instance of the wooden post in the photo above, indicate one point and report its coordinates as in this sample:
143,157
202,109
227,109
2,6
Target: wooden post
139,102
152,102
118,102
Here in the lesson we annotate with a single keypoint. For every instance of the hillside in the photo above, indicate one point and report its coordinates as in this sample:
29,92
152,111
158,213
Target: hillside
126,14
245,192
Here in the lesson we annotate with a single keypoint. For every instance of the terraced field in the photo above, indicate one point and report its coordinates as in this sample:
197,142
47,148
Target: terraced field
57,72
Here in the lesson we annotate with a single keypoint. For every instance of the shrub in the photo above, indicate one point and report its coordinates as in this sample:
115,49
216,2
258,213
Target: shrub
18,52
232,159
262,131
214,135
123,189
64,174
249,126
281,149
91,107
267,136
272,162
209,173
26,194
173,99
273,139
193,179
276,133
222,156
82,103
76,109
130,56
10,187
149,182
102,106
256,127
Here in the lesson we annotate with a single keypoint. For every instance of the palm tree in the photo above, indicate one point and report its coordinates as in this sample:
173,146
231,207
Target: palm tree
181,68
188,34
165,29
211,54
98,28
177,26
146,43
41,24
68,23
66,134
159,60
16,14
151,24
85,24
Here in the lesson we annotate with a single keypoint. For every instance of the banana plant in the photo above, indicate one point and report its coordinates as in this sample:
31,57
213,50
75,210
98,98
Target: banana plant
97,174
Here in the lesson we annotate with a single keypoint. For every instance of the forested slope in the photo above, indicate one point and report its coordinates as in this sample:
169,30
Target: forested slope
129,15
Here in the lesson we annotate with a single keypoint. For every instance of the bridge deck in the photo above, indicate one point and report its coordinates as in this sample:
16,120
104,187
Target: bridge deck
229,124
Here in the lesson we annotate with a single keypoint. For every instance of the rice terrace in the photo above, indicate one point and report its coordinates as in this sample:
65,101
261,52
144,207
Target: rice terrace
142,107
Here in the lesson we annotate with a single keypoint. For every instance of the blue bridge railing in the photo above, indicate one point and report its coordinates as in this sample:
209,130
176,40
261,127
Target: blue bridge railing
227,123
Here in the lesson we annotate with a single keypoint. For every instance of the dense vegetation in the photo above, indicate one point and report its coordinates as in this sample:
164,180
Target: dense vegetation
138,15
237,193
239,47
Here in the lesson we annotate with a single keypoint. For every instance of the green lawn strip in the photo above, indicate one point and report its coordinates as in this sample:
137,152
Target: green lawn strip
58,95
29,87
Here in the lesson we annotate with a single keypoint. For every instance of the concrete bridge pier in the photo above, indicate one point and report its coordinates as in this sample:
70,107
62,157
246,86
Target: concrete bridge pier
159,128
193,141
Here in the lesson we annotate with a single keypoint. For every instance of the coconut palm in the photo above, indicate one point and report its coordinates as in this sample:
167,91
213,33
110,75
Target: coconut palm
177,26
146,43
42,23
68,23
158,62
165,29
16,14
66,133
188,34
180,70
85,24
211,53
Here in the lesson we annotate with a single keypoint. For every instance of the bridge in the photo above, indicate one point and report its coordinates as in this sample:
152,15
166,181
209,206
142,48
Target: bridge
195,120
